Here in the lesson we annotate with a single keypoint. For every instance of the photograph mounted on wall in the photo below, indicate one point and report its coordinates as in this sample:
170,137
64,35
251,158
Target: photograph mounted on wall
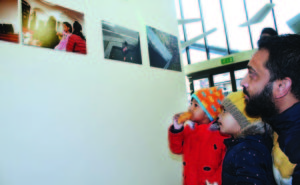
48,25
163,50
9,21
121,43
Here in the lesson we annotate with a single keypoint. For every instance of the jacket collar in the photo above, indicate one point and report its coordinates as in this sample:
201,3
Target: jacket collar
234,141
289,119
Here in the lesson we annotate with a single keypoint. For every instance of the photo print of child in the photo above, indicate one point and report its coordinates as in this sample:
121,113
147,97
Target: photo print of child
51,26
121,43
9,21
163,50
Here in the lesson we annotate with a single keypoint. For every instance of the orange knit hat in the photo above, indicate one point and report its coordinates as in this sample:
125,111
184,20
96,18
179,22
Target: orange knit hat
210,100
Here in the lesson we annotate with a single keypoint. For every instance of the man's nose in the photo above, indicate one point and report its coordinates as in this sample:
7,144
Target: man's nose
244,82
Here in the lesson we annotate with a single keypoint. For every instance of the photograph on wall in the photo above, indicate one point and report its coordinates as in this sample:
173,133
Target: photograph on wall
9,21
163,50
52,26
121,43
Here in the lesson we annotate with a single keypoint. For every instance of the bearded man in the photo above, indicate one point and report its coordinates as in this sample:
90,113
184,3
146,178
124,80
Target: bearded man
272,91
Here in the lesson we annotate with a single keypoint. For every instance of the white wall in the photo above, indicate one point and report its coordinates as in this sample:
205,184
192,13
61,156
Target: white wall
70,119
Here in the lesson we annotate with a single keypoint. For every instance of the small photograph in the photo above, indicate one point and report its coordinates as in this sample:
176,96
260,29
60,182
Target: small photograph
163,50
48,25
121,43
9,21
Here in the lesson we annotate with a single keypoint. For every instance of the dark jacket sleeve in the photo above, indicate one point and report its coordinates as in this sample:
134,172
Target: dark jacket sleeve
176,140
292,150
251,168
296,175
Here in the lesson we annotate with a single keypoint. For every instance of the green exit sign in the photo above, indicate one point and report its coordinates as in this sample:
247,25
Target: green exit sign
227,60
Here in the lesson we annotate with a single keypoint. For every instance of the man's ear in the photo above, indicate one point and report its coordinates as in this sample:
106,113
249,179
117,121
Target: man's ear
282,87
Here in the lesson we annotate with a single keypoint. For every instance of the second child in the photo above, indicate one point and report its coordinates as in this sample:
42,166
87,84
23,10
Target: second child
248,158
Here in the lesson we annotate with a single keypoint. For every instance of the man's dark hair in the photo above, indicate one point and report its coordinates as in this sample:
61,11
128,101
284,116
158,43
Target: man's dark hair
269,31
284,59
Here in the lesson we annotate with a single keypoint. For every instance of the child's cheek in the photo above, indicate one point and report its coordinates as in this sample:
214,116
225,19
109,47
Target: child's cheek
196,117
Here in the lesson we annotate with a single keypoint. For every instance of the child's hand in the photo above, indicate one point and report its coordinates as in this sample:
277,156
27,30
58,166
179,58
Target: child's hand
184,117
177,126
207,183
191,124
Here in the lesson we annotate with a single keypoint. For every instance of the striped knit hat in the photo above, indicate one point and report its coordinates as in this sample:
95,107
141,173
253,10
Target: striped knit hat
209,99
235,104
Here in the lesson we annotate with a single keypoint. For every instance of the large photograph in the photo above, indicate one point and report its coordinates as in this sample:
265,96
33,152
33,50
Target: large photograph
51,26
121,43
9,21
163,50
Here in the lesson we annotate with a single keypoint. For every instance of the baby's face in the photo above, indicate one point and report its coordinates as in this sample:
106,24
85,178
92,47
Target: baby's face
227,123
198,115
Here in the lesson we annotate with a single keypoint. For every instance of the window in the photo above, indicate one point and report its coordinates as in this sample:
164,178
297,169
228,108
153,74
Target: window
180,28
253,6
188,89
181,35
212,15
239,38
234,13
193,30
284,11
239,75
177,6
190,9
197,55
212,55
201,83
223,81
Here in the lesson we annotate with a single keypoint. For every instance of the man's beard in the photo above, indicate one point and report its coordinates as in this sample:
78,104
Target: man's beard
262,104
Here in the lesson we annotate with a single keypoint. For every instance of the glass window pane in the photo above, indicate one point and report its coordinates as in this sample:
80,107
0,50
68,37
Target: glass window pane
212,55
190,9
197,56
253,6
177,6
193,30
188,89
223,81
234,13
239,75
212,16
181,35
284,11
201,83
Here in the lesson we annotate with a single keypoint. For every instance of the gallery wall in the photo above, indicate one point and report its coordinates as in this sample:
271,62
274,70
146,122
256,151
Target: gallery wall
68,118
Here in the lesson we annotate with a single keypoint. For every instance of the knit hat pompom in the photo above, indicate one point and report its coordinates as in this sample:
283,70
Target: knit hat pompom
210,99
235,104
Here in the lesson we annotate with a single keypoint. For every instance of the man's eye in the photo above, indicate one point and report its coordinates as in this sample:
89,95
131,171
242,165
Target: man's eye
224,110
196,105
251,74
